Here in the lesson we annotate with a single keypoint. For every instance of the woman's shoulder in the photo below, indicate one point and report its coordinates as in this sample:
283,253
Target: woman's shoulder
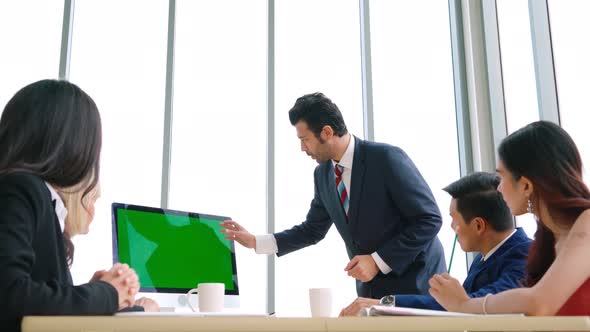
579,234
21,178
23,183
585,215
583,221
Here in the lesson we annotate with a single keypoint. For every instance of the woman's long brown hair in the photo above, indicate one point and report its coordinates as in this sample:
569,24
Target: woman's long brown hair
52,129
546,155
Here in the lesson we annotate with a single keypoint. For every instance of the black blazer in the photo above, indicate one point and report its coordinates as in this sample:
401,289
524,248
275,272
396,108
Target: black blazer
34,274
391,211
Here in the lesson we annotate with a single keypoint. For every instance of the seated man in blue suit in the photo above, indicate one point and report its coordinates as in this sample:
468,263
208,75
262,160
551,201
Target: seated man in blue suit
374,195
483,223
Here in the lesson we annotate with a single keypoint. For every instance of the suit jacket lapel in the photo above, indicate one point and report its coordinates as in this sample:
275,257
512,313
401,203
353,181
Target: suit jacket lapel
356,180
472,276
476,267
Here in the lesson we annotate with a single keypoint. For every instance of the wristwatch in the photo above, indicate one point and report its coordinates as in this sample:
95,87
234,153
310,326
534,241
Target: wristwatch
388,300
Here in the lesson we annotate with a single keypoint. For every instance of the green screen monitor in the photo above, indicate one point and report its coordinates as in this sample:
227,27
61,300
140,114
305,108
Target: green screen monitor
174,251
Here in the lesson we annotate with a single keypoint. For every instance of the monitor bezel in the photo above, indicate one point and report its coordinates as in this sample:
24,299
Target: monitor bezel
115,241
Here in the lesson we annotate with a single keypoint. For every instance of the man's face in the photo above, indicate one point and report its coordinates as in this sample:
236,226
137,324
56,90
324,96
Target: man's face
466,233
313,146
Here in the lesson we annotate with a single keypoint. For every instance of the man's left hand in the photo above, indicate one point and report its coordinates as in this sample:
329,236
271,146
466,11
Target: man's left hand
357,305
149,305
362,267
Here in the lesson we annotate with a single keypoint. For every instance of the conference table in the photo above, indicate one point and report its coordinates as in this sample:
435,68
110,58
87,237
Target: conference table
186,323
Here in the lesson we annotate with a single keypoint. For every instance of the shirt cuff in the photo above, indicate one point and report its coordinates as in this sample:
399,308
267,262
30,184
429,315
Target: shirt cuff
385,269
266,244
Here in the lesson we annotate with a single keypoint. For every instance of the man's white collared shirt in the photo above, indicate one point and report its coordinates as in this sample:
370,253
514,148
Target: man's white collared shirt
494,249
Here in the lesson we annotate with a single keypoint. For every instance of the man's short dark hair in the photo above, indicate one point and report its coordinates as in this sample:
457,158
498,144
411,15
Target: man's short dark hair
477,196
318,111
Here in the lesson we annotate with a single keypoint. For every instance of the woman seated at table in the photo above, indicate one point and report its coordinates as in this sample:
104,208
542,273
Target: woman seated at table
541,173
50,139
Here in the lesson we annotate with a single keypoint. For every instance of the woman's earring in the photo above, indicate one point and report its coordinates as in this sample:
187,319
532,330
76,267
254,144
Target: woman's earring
529,207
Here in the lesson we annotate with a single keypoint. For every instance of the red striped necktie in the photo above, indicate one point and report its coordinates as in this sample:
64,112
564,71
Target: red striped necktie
342,194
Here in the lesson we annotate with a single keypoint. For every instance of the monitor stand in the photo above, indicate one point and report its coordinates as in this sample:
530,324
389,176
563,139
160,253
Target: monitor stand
178,302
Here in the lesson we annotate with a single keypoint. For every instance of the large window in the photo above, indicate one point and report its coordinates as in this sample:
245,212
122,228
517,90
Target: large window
518,72
121,65
316,50
518,69
414,103
30,38
570,28
219,123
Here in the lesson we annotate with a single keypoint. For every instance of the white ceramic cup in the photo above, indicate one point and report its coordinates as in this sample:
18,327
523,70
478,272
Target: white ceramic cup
210,297
320,302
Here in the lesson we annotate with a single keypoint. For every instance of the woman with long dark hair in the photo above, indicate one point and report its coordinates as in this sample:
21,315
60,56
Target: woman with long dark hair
541,173
50,140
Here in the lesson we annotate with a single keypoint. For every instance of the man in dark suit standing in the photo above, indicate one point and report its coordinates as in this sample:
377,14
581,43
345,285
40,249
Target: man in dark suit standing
483,224
373,193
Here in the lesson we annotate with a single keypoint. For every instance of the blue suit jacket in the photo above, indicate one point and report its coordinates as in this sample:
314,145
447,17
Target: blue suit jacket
391,211
501,271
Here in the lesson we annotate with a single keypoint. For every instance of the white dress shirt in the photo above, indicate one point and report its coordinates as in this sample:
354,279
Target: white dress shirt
267,244
494,249
60,208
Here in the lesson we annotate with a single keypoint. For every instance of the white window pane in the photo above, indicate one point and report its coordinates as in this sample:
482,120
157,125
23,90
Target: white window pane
119,59
30,38
219,127
518,69
518,73
317,49
570,30
414,104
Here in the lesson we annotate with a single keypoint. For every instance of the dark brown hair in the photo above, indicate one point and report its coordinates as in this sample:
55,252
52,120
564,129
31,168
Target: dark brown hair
476,195
52,129
317,111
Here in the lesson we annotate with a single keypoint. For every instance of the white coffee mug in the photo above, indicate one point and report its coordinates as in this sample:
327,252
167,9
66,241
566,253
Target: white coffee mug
320,302
210,297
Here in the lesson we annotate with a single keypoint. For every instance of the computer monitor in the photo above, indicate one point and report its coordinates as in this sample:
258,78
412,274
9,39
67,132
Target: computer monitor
173,251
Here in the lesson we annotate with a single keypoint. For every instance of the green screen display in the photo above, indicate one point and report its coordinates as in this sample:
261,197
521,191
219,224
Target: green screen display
174,251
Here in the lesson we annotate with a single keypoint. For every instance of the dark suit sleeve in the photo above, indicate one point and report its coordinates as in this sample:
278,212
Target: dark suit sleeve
513,267
20,203
417,301
311,231
420,215
134,308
